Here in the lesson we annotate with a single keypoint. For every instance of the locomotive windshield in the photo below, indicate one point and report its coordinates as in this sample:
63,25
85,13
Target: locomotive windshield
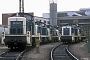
76,31
66,31
16,27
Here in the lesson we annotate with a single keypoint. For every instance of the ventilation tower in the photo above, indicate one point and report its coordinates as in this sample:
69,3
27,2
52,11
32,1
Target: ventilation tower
53,12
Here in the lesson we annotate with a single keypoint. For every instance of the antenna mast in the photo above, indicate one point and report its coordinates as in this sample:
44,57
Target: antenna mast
21,6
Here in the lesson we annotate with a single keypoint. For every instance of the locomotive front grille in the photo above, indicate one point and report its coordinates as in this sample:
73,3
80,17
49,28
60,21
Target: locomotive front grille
15,39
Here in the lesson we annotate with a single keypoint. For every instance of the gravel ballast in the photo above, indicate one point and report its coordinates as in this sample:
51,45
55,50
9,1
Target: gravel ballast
44,52
3,49
80,50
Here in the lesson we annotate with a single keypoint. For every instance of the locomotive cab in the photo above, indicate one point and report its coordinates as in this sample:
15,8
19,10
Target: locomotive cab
71,33
17,35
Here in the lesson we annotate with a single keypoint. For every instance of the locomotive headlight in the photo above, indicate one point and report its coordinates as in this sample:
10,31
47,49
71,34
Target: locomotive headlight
27,32
3,34
19,40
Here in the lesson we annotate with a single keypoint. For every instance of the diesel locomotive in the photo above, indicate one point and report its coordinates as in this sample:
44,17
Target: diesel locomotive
72,33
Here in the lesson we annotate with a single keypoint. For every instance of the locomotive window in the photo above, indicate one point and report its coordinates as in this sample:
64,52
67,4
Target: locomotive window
72,30
39,29
10,30
14,30
56,33
76,32
66,31
18,30
21,30
16,27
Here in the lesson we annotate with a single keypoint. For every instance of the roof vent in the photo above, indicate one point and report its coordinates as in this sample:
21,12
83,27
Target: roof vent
87,13
70,13
73,14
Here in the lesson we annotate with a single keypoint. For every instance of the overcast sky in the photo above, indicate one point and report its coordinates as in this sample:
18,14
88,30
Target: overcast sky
41,6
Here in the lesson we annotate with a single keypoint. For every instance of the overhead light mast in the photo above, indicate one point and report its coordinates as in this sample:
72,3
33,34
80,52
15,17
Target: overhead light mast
21,6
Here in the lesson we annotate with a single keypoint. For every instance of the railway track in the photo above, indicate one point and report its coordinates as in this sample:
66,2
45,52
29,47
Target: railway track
12,55
61,52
